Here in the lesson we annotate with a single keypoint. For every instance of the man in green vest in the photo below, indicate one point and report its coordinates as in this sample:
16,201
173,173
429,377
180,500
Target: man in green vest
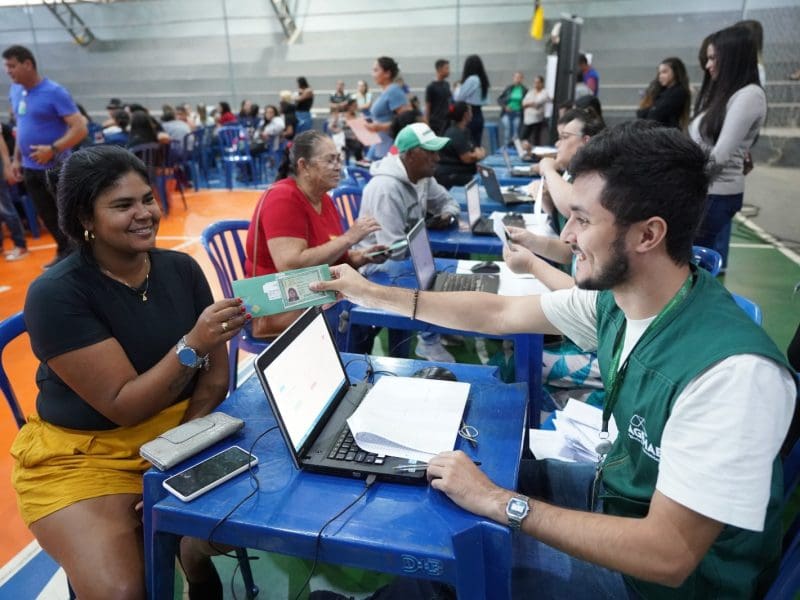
686,503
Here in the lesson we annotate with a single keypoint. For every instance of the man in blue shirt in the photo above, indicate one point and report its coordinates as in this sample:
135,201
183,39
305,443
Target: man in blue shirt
48,126
590,75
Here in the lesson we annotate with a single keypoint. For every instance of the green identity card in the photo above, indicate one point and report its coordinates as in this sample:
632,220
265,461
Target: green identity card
279,292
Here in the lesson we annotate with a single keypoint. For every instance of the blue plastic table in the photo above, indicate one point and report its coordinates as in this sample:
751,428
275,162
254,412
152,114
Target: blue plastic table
462,241
527,346
406,530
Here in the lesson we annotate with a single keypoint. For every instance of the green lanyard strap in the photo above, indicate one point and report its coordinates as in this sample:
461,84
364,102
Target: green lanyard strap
617,375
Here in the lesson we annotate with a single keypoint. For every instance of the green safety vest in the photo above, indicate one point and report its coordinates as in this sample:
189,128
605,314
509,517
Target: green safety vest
704,329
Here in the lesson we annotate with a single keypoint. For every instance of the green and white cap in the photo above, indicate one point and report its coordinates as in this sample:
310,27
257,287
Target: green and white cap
419,135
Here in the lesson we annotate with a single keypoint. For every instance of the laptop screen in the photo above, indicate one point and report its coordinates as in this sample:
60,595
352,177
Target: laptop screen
473,194
421,256
506,157
303,377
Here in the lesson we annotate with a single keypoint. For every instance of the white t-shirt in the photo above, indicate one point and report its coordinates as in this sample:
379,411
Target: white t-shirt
725,428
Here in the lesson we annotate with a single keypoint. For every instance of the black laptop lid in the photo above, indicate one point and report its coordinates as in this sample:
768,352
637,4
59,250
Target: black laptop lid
490,183
304,379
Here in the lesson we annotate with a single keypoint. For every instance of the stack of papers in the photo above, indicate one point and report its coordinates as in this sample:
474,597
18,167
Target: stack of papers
409,417
576,436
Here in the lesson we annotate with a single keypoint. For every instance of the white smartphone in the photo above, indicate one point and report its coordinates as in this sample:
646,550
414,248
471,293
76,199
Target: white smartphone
204,476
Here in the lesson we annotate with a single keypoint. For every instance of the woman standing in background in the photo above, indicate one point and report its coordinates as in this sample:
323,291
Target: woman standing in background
730,111
474,90
303,101
391,102
668,96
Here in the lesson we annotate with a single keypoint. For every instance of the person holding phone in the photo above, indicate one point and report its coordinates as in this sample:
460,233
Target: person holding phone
296,225
130,343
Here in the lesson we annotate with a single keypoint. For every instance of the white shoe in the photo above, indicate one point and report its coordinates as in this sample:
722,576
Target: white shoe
435,352
17,253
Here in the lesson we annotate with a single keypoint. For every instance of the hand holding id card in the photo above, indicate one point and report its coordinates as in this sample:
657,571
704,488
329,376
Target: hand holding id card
281,292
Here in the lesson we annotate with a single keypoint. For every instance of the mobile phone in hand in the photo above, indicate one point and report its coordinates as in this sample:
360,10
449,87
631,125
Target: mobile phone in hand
208,474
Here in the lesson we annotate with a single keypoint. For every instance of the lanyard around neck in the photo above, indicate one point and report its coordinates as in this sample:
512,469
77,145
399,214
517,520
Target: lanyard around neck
617,375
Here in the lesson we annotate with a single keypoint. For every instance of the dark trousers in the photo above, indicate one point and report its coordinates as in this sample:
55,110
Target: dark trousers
45,203
476,125
714,231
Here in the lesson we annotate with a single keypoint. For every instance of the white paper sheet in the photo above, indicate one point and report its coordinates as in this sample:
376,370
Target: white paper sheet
511,284
409,417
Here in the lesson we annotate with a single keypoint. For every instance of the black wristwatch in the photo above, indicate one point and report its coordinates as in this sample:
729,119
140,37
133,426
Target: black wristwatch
188,356
54,149
516,510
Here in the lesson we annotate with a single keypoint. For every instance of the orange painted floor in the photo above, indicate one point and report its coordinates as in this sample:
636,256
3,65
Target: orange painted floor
179,230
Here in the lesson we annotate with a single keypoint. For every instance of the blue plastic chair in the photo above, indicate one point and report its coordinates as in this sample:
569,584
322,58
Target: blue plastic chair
10,329
155,157
357,175
347,199
708,259
234,149
752,309
224,244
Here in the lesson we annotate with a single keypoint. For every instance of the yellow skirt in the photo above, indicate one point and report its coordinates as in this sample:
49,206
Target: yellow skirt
56,467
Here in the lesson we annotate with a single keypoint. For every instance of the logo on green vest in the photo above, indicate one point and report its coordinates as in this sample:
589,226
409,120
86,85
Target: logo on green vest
637,432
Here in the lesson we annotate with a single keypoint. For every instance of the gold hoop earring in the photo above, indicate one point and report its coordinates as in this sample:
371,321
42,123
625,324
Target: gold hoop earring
88,235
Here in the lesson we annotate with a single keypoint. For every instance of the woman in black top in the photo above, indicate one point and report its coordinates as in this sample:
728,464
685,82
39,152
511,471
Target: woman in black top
457,159
668,97
303,101
106,324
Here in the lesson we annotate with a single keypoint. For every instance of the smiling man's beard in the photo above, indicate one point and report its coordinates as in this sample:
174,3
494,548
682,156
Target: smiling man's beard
614,272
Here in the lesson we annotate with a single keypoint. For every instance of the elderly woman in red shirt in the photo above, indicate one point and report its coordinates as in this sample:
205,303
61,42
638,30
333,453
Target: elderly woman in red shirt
296,224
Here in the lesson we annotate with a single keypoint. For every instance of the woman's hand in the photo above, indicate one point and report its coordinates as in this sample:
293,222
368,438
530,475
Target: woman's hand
217,324
359,258
361,228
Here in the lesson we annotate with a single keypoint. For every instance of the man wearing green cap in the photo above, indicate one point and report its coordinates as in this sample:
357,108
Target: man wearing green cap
401,192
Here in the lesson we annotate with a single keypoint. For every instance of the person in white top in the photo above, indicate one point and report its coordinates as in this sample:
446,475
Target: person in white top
533,105
730,111
710,460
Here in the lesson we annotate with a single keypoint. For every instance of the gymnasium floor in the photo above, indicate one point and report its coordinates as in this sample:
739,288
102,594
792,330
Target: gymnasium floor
761,268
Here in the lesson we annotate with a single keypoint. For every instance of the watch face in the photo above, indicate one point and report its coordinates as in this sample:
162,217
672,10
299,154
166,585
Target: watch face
187,356
517,507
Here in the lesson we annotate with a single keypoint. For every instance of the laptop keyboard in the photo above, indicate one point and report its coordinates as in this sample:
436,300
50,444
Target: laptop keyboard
453,282
346,449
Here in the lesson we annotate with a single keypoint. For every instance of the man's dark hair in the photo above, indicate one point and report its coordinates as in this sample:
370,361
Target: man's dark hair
21,53
84,176
592,122
649,171
440,63
582,60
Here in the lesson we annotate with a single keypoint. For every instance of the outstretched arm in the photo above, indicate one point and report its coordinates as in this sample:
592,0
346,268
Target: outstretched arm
466,311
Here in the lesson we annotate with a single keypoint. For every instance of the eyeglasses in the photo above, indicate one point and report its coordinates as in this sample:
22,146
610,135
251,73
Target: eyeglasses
331,160
564,135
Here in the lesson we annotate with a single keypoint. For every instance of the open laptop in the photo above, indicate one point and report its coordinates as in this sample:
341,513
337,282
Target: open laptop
478,224
422,258
515,170
312,405
495,193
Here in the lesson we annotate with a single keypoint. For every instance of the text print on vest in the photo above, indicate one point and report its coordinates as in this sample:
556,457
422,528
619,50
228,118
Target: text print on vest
636,431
